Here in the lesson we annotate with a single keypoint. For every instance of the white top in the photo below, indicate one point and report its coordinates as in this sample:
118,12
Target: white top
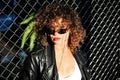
76,75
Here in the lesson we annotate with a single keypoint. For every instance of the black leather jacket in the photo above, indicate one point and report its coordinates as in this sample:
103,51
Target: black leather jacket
41,65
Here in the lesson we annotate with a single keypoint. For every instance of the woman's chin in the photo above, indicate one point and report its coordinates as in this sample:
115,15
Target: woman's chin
57,43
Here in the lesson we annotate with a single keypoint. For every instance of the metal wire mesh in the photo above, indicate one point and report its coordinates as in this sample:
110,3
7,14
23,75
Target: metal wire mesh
101,19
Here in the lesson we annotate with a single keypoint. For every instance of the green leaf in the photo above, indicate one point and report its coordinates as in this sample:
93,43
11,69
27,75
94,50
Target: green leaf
27,31
26,21
32,40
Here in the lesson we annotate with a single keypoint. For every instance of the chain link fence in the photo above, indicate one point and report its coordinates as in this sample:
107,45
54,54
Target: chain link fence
101,18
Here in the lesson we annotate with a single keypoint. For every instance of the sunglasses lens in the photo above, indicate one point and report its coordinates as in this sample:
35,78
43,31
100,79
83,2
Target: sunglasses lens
62,31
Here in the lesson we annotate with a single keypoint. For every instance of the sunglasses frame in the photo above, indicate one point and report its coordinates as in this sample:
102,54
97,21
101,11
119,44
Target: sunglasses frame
60,31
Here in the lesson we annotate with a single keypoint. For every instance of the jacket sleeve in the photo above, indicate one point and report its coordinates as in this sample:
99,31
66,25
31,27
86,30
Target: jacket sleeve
30,68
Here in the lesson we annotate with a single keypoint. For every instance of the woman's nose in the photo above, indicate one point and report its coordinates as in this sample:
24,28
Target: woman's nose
55,33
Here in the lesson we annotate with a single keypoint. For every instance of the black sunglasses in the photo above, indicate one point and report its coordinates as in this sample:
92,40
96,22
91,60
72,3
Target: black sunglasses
60,31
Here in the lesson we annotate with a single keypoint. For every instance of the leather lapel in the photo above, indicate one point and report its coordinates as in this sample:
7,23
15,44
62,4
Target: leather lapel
51,69
82,65
79,57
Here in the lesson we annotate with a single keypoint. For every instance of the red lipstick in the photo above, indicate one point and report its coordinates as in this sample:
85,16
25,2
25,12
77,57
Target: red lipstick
56,38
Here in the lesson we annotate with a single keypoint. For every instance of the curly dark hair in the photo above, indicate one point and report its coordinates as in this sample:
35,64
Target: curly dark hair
51,11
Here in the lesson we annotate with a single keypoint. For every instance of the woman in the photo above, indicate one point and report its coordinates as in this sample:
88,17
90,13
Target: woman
60,33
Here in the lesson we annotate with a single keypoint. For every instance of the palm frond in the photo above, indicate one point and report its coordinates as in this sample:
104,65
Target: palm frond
29,31
29,19
32,40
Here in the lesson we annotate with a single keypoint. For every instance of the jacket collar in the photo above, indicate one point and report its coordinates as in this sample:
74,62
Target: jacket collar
79,57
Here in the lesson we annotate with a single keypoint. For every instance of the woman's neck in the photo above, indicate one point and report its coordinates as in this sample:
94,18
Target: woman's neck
61,49
63,56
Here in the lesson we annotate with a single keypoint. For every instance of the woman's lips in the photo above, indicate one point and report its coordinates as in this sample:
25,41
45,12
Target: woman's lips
56,38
